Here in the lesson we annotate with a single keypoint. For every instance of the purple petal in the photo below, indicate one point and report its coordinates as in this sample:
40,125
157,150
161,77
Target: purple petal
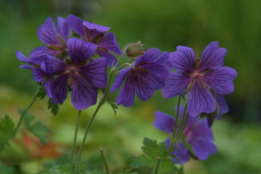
198,130
95,29
38,74
220,79
175,84
149,56
111,59
203,148
222,105
22,57
95,72
110,43
143,89
59,88
120,79
165,61
62,28
200,99
183,60
41,51
180,152
53,66
26,67
47,85
76,24
83,93
127,93
212,56
155,76
79,50
47,32
164,122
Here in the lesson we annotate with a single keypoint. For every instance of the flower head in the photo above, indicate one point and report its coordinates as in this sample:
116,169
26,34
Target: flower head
147,75
96,34
38,74
196,131
201,77
79,73
55,39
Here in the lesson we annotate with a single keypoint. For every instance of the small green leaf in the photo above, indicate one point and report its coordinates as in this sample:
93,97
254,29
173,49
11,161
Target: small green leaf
57,169
112,102
6,130
37,128
187,145
152,151
41,93
54,108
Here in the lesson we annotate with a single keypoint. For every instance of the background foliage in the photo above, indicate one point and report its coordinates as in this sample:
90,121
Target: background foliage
164,24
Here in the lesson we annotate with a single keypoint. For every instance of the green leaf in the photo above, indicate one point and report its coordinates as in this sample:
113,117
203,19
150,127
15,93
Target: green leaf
41,93
6,130
57,169
152,151
187,145
37,128
54,108
112,102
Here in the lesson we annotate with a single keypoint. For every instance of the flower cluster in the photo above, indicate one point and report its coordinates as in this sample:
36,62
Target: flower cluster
67,64
196,131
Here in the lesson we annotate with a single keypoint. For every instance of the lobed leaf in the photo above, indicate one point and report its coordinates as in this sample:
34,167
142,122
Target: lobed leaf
6,130
37,128
187,145
152,151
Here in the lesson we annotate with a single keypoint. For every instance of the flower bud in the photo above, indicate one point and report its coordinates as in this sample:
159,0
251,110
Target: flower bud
134,50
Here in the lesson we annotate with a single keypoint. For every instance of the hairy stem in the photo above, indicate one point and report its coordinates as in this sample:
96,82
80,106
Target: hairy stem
75,136
105,161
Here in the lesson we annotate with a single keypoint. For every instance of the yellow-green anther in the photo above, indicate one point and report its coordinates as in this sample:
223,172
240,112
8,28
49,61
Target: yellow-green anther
98,38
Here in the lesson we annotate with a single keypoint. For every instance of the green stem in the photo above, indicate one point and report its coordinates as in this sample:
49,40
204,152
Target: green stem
105,161
182,125
177,118
157,166
22,115
105,96
24,111
75,136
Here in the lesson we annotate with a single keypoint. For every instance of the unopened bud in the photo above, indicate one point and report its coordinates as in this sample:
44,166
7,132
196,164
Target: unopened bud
134,50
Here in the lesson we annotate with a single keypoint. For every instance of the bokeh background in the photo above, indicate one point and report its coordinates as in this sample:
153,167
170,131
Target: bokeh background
164,24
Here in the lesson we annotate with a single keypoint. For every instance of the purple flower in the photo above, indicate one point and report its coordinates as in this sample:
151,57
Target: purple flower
144,77
79,73
201,77
96,34
196,131
56,40
38,74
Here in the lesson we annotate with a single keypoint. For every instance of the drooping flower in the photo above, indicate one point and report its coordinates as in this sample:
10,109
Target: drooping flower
94,33
196,131
79,73
38,74
56,40
147,75
201,77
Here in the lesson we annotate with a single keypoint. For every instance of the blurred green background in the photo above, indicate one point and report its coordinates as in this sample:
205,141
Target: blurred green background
164,24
